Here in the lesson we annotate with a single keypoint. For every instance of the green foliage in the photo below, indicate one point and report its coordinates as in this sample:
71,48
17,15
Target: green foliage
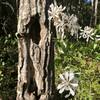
82,58
8,69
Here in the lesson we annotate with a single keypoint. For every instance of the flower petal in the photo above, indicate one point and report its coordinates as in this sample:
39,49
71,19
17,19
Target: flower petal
74,84
60,86
67,95
72,92
61,90
71,76
62,77
66,76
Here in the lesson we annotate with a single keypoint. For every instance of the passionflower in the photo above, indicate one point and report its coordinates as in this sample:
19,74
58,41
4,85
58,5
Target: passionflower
68,83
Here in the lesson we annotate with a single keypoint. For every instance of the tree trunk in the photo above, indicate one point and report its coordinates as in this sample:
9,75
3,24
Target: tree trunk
94,5
96,10
36,51
92,15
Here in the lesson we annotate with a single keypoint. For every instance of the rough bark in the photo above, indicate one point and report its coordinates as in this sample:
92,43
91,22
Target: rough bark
92,15
36,51
95,13
94,5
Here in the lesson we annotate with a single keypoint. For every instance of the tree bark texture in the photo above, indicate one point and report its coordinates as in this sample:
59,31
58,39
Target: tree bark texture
96,11
36,51
94,16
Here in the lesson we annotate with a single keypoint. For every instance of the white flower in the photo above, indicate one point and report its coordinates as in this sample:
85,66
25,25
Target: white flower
56,14
55,11
87,33
72,24
62,21
60,28
69,83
